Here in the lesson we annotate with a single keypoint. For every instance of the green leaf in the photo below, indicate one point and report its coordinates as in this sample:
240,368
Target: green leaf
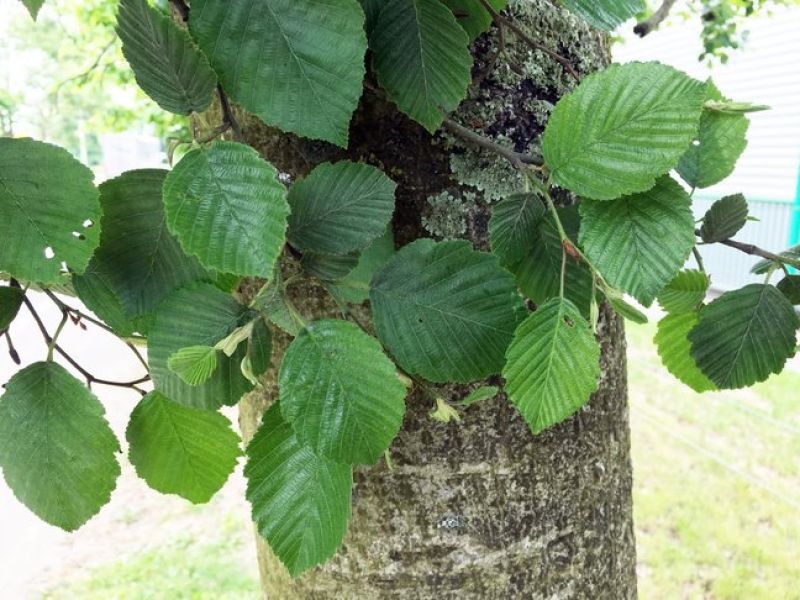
301,501
513,226
484,392
605,14
685,292
33,7
259,348
138,262
445,311
227,207
552,365
195,364
421,59
744,336
762,266
340,393
621,129
443,412
354,287
538,272
724,219
10,301
720,141
340,208
790,287
674,348
296,65
167,65
57,450
473,16
181,450
623,308
639,242
272,303
372,9
50,211
329,267
199,315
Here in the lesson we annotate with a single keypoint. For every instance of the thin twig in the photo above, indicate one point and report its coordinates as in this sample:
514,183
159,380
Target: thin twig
90,378
699,259
82,316
515,158
756,251
227,113
12,351
501,21
649,25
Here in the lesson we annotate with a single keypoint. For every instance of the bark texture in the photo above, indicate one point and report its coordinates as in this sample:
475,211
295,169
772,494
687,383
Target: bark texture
481,508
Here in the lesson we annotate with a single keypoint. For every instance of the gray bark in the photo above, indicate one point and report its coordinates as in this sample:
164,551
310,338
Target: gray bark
480,508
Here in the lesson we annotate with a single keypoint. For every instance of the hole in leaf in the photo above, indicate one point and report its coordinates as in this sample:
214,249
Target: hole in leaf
64,268
88,223
79,235
48,253
569,322
696,143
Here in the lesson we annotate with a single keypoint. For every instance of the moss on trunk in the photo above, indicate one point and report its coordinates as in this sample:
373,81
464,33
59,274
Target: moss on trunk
480,508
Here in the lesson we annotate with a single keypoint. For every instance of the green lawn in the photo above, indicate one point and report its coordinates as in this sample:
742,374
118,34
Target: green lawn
717,493
717,484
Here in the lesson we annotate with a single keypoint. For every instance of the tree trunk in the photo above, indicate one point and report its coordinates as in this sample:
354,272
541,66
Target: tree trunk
480,508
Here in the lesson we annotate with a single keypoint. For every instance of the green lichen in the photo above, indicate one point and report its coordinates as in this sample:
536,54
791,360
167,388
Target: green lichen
448,215
512,102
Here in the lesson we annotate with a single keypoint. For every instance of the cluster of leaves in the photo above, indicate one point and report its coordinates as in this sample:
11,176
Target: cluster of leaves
157,253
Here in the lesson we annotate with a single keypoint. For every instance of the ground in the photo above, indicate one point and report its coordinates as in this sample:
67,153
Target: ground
717,488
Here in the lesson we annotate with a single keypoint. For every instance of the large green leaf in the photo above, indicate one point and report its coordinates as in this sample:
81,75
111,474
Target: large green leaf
181,450
513,226
673,346
720,141
744,336
605,14
340,392
301,501
724,219
166,63
538,272
552,365
200,315
297,65
621,129
227,207
685,292
57,450
354,287
639,242
372,8
340,208
138,260
33,7
421,59
445,311
10,301
50,211
790,287
473,16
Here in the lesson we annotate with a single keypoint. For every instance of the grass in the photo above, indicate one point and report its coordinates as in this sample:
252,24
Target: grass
186,568
717,484
717,499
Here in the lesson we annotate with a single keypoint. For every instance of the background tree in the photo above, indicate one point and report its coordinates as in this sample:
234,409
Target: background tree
355,133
